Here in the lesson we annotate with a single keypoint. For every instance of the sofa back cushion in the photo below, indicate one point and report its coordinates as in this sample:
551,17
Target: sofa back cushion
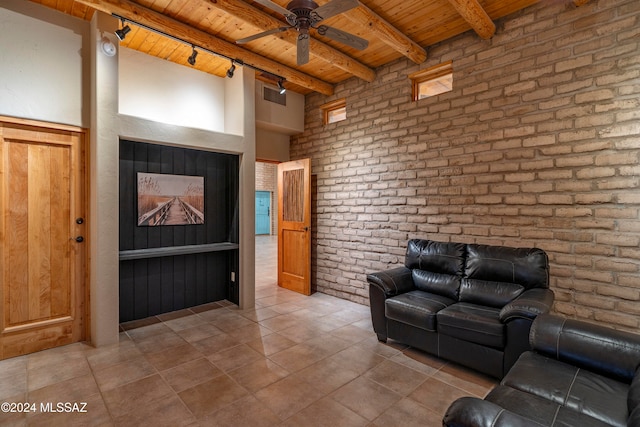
527,267
446,285
491,294
436,257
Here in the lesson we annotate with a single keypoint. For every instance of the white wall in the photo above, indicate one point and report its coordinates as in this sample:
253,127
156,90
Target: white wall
42,64
165,92
271,145
287,119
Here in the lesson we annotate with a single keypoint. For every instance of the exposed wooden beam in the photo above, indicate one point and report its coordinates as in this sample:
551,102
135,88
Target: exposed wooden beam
143,15
579,3
320,50
476,16
387,33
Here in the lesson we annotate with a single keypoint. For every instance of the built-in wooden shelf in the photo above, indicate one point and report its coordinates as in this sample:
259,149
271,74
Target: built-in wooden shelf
176,250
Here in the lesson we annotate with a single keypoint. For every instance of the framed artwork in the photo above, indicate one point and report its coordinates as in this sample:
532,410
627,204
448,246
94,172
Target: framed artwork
165,199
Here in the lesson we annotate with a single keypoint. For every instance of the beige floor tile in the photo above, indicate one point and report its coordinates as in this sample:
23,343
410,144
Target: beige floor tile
288,396
251,332
144,332
327,375
13,377
357,359
14,418
136,395
100,358
466,379
122,373
191,373
351,333
173,356
88,411
397,377
271,343
214,344
212,395
185,322
43,374
259,314
301,332
200,332
407,413
247,411
258,375
297,357
235,357
365,397
281,322
325,413
168,411
159,342
72,390
233,323
436,395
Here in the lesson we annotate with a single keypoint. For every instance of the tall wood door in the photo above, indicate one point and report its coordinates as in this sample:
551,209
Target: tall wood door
42,248
294,226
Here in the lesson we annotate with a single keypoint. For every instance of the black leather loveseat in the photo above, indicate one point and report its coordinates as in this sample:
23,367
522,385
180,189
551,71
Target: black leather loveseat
578,374
472,304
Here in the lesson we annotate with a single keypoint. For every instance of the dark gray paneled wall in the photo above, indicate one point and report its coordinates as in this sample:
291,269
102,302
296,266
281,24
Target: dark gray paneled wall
158,285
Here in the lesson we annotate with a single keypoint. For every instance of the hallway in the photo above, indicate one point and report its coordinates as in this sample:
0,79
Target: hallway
292,360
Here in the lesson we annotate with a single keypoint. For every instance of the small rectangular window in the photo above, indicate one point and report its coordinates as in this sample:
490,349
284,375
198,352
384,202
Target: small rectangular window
334,111
432,81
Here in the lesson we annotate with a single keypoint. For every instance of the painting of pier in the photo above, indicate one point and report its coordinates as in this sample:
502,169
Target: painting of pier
165,199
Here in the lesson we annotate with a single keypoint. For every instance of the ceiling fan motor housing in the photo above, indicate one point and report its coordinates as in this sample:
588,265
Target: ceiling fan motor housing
302,9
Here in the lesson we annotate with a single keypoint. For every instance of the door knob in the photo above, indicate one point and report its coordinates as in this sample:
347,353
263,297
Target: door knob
79,239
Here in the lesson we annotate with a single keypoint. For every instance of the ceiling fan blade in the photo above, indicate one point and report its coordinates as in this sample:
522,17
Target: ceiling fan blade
274,6
262,34
333,8
302,48
343,37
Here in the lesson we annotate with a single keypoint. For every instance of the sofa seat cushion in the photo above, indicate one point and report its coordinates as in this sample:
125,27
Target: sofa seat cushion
540,410
576,389
417,308
474,323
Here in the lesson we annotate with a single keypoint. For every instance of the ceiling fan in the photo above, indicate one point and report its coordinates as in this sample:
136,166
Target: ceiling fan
302,15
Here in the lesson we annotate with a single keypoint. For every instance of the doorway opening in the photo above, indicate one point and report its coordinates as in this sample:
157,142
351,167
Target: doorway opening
266,226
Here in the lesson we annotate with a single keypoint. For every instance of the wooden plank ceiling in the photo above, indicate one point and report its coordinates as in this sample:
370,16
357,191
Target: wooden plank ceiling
393,28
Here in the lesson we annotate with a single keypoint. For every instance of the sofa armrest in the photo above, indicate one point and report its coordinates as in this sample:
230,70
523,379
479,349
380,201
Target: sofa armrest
475,412
597,348
392,282
528,305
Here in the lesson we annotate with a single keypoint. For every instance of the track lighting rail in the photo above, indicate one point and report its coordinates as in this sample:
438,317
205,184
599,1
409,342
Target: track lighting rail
122,33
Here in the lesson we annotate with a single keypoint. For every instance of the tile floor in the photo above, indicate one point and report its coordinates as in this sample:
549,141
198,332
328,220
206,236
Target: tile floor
291,361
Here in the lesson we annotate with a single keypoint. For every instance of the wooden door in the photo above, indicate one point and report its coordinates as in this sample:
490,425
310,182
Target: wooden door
294,226
42,248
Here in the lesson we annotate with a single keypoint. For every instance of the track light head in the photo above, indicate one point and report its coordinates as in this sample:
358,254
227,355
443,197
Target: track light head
281,87
231,70
122,32
192,59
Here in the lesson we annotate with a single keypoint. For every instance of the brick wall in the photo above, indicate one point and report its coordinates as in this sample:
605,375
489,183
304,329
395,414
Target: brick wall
537,145
266,180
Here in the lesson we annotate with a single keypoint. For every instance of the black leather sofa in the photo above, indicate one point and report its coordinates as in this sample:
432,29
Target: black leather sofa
578,374
472,304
